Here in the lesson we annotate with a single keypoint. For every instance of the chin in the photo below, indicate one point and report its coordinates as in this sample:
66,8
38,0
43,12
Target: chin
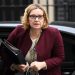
37,27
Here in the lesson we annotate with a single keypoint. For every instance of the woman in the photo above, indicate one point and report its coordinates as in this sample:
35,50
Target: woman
34,35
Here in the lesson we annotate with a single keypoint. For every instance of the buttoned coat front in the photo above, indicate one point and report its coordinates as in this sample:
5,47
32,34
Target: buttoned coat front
49,48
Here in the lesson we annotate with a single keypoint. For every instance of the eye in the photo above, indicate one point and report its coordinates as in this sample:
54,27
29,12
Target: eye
36,16
40,16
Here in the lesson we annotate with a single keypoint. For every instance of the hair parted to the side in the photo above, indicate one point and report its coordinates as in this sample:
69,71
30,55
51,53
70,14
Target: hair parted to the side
24,18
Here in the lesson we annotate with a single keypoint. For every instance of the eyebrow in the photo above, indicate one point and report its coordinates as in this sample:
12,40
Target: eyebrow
36,14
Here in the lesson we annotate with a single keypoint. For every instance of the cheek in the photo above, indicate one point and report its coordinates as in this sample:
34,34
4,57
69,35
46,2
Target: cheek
42,22
30,22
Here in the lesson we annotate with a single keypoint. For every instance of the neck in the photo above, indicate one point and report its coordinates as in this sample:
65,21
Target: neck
35,33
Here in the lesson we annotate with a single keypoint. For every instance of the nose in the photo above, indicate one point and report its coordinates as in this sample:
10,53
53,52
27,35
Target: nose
36,19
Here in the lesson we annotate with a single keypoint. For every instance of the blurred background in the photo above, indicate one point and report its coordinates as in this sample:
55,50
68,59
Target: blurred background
61,14
58,10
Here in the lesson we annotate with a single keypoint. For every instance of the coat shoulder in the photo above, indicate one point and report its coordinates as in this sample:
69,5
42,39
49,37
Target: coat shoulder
52,29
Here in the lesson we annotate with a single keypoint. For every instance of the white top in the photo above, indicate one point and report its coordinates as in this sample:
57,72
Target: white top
31,54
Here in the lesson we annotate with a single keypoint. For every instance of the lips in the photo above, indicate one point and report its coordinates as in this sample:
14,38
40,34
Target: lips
36,23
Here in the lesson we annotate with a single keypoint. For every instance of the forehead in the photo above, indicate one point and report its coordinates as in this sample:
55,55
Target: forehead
37,11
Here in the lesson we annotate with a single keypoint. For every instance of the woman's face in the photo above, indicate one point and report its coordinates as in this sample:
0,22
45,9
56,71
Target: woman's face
36,19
